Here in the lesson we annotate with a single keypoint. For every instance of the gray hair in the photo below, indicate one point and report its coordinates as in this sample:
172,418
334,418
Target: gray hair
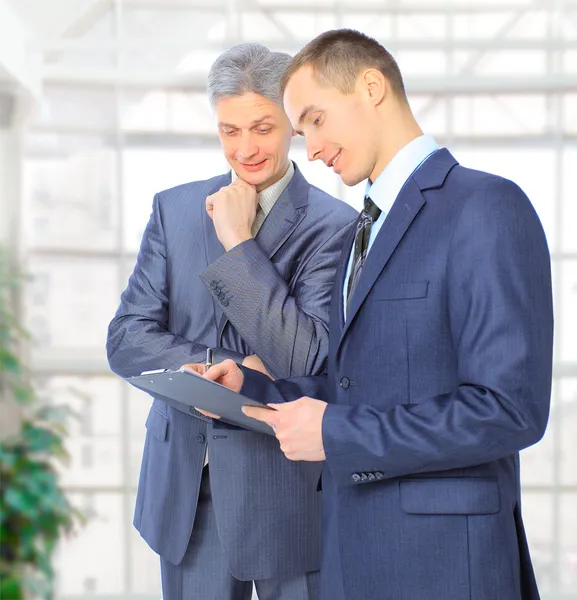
247,68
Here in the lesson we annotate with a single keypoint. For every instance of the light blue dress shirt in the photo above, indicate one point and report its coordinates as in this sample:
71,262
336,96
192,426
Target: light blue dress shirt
384,191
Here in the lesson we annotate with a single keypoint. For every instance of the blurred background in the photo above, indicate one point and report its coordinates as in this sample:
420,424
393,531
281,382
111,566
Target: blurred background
102,104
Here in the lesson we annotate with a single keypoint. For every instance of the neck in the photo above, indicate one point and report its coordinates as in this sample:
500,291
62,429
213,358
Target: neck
274,179
399,128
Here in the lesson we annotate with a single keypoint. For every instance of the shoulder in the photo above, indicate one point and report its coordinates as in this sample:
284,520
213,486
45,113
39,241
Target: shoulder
338,212
493,206
192,192
489,192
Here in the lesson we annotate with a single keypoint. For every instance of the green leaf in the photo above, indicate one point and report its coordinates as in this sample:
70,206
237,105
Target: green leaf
23,393
9,362
21,501
10,588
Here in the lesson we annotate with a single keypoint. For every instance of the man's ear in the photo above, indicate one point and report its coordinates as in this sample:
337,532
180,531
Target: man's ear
375,84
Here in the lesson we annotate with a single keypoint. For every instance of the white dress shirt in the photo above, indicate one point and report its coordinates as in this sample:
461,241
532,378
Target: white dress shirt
384,191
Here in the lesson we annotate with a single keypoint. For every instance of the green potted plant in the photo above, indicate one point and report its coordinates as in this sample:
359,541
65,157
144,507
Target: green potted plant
34,511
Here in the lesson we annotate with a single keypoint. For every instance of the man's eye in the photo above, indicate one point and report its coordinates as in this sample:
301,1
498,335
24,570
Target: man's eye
264,131
228,131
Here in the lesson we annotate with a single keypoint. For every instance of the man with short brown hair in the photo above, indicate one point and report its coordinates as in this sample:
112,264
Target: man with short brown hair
440,350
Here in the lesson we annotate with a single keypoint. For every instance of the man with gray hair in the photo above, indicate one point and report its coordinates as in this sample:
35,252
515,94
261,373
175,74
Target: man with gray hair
242,263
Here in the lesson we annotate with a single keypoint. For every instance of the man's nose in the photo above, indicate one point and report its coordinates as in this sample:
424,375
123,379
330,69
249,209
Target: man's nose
248,147
313,148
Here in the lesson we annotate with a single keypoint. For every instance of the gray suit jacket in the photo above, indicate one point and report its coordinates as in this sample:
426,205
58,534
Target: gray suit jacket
267,296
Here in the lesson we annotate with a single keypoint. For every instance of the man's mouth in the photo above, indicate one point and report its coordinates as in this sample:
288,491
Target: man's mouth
253,166
333,160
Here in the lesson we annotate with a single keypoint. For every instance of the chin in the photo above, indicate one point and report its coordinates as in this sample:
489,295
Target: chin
351,180
256,178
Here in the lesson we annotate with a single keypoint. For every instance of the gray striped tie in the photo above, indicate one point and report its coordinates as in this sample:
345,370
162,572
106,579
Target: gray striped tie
368,216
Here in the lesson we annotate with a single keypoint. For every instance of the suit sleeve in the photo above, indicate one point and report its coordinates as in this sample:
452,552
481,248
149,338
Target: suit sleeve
287,329
501,320
260,387
138,336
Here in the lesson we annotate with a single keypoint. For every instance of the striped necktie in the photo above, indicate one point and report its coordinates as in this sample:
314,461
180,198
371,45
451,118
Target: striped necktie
368,216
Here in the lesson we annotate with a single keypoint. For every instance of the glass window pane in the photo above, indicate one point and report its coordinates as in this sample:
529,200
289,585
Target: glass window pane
431,113
95,401
70,183
533,170
93,560
570,113
148,171
70,302
569,199
500,115
537,460
76,108
566,328
538,520
569,543
567,405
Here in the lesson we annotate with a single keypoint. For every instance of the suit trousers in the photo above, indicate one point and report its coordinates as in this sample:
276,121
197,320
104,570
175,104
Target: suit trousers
203,573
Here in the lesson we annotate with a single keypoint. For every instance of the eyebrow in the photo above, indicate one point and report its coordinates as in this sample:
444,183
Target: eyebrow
306,110
253,123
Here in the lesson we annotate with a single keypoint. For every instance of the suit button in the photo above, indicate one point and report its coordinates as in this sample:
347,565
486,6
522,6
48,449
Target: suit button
345,383
371,476
213,285
221,296
379,475
364,477
225,302
200,438
355,477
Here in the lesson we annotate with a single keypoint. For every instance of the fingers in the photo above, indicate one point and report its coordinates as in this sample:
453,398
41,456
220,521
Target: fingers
238,182
226,367
207,414
194,368
260,414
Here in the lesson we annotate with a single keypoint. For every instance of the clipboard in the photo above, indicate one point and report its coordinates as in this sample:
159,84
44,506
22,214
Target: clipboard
183,387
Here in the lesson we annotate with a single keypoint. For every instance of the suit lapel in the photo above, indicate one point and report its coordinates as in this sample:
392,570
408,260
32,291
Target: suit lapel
288,211
406,207
404,210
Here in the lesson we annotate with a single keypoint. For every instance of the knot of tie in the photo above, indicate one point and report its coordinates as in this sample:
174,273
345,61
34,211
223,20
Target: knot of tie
371,209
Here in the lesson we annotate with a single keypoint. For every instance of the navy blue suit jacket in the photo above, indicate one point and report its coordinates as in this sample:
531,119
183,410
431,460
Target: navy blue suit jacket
438,377
267,296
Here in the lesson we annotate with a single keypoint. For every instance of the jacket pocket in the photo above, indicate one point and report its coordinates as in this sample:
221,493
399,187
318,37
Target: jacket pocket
450,496
402,290
157,424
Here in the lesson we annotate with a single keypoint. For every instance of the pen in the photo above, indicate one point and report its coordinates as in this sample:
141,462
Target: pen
209,359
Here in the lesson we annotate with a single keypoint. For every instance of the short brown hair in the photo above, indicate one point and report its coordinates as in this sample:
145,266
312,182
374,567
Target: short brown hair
338,56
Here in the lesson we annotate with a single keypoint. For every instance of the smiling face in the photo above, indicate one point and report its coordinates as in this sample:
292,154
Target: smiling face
340,129
255,134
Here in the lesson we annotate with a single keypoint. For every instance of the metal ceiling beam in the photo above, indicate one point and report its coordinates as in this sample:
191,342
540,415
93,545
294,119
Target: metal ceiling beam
357,7
81,23
22,67
440,84
482,44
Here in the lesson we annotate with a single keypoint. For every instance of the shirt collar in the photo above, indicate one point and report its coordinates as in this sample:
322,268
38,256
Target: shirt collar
268,196
384,191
